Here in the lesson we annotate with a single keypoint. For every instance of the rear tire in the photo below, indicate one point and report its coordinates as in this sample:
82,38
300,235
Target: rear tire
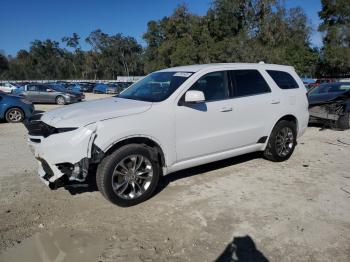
129,175
14,115
60,100
282,141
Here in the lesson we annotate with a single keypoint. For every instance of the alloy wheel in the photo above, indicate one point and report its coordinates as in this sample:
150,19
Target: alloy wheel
60,100
15,115
132,176
284,141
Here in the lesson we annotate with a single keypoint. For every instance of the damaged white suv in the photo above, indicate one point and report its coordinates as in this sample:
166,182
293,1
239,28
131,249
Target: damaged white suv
170,120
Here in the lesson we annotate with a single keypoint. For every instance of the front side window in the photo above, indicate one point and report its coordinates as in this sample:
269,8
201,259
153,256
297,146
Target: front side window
155,87
32,88
248,82
214,86
283,79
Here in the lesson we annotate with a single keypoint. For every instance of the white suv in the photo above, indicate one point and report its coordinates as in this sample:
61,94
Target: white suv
171,120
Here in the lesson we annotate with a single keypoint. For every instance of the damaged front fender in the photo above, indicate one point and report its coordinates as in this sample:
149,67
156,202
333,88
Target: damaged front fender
65,156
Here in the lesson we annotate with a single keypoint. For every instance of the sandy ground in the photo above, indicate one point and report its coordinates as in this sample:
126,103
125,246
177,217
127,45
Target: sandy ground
233,210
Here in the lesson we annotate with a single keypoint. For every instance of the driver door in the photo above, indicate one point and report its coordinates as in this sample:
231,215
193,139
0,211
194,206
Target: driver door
205,128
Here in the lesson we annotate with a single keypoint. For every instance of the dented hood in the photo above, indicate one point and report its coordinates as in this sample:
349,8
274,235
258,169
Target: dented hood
80,114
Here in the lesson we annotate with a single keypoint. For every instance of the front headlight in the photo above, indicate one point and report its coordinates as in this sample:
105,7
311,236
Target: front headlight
39,128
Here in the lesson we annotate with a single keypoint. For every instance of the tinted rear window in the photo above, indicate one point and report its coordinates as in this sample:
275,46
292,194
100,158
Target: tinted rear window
283,79
248,82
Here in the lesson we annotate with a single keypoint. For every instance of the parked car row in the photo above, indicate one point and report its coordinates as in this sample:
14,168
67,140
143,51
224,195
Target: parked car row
48,93
111,88
76,87
16,99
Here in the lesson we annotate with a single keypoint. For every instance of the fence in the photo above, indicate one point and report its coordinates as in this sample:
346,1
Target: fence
119,79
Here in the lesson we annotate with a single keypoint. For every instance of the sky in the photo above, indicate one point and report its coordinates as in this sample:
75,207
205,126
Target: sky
23,21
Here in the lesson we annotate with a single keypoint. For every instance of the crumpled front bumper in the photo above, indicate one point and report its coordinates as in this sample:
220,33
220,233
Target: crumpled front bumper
67,148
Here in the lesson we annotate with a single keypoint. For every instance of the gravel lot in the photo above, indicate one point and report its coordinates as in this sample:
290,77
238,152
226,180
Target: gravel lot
241,208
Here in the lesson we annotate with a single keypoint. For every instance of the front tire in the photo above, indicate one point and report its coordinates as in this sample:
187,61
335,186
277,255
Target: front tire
14,115
60,100
281,142
129,175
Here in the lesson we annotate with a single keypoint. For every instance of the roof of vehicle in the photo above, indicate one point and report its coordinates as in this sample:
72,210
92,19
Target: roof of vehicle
196,68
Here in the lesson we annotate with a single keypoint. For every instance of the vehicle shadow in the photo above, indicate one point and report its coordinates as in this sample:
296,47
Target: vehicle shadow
91,186
241,249
193,171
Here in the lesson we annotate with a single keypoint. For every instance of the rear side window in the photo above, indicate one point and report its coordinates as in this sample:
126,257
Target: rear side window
248,82
283,79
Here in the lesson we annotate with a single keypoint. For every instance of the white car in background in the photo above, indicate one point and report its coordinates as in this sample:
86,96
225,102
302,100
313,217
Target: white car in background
170,120
7,87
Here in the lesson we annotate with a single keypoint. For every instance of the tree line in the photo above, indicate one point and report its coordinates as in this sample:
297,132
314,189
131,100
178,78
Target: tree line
230,31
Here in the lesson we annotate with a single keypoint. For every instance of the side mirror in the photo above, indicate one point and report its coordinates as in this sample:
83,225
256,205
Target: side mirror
194,96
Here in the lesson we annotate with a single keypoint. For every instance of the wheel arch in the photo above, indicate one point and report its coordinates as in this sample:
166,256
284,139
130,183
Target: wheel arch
289,118
141,140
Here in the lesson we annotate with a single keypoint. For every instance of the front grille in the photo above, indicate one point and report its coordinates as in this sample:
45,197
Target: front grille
39,128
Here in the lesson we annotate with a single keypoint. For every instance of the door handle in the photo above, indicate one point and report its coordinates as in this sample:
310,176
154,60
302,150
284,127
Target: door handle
225,109
275,102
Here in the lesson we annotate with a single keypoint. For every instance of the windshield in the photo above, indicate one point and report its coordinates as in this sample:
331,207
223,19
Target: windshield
155,87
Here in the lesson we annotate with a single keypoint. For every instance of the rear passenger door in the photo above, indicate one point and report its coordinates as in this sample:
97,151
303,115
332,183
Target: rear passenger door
254,107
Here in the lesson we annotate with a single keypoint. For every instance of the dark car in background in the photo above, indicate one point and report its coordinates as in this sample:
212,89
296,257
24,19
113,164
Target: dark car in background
42,93
87,87
330,104
15,109
111,88
100,88
74,87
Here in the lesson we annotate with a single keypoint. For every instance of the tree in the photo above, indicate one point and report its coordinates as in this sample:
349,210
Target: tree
76,59
117,54
232,31
335,54
4,65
